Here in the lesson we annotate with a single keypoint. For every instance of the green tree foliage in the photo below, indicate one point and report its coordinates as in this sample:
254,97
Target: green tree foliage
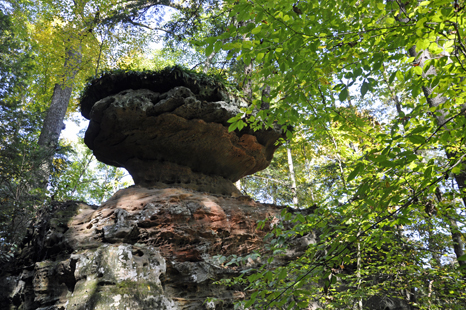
19,158
13,56
378,87
79,176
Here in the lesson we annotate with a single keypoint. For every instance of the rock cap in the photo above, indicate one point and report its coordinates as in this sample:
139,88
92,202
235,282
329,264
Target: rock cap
171,128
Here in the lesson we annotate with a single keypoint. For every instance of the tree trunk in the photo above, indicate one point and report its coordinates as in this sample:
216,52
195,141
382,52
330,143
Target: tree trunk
358,272
53,123
440,118
458,245
307,164
292,176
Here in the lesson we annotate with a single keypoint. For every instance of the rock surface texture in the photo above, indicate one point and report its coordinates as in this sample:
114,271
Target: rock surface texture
142,249
170,129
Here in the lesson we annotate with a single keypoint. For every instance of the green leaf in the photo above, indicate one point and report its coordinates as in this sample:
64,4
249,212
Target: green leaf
392,78
256,30
428,172
233,126
240,124
301,218
249,303
399,76
462,257
233,119
416,139
282,274
355,172
456,170
209,49
387,163
259,56
217,46
343,94
390,20
365,88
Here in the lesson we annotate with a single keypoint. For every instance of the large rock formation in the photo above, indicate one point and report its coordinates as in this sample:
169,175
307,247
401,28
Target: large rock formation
153,245
142,249
170,129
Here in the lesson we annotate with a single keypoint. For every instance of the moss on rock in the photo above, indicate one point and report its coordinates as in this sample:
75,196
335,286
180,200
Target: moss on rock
205,87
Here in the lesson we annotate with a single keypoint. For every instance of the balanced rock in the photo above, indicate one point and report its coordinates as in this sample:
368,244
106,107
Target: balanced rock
170,129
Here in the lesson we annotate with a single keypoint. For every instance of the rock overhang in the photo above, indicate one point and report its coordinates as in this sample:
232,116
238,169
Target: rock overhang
171,127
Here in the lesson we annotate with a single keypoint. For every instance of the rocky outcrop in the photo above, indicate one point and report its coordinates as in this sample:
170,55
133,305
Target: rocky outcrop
142,249
154,245
172,131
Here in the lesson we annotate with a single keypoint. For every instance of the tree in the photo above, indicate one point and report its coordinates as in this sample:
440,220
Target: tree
314,55
18,128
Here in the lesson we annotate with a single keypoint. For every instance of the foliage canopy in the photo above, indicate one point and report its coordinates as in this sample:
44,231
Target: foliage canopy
332,66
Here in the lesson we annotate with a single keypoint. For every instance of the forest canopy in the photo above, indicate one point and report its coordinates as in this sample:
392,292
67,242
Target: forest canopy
370,93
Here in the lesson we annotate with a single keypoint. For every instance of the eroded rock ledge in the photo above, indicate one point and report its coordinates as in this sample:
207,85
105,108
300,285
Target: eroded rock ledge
171,131
142,249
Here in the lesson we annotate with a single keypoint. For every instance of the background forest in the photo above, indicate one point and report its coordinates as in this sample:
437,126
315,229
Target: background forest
371,95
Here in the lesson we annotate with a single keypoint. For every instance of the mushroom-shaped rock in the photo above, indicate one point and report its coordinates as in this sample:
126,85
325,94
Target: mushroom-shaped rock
170,128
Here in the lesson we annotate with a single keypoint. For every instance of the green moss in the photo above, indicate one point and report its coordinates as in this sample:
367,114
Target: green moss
204,86
132,293
138,289
84,293
47,264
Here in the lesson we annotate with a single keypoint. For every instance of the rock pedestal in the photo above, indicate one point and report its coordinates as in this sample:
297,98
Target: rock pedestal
155,245
175,137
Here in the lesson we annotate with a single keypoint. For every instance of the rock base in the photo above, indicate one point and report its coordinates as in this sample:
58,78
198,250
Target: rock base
142,249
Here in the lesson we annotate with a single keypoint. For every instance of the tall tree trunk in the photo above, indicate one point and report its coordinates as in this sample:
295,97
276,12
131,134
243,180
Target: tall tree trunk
456,236
292,176
358,272
440,117
307,164
458,245
53,123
